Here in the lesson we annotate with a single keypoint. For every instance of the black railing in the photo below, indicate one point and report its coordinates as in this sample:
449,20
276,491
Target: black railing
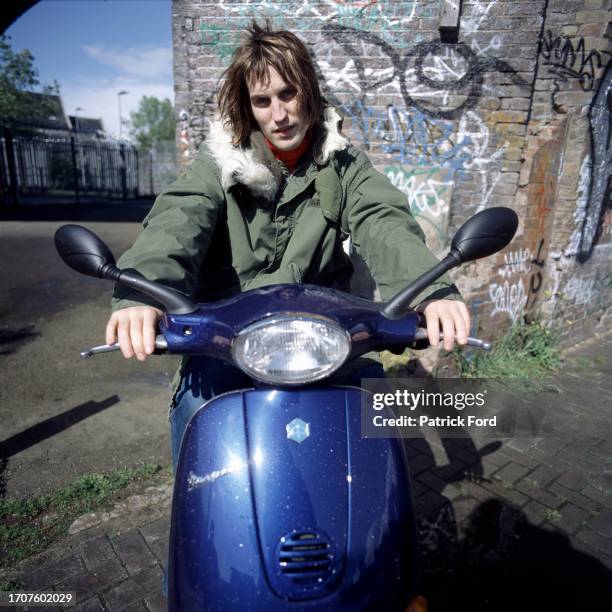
73,166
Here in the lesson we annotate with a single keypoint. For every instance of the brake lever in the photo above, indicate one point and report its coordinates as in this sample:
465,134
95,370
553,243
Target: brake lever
421,334
161,346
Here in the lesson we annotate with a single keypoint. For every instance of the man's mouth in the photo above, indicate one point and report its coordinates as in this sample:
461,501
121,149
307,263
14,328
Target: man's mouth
285,130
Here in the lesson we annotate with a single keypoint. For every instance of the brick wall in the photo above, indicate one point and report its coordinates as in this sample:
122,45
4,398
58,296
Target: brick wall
515,113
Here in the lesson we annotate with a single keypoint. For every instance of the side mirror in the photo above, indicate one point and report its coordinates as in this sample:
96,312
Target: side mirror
84,252
487,232
483,234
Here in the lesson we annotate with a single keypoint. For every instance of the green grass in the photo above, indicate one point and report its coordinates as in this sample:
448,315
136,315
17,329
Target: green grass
527,351
28,526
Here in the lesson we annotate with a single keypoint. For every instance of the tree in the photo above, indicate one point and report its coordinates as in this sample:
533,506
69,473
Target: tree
153,122
18,80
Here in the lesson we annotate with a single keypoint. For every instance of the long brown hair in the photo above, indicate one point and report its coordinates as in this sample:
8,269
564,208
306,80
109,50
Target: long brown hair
263,47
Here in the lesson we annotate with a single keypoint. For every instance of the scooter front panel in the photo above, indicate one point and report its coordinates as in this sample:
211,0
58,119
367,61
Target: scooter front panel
300,489
214,562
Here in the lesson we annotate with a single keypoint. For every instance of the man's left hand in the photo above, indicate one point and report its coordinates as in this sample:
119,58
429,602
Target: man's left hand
451,317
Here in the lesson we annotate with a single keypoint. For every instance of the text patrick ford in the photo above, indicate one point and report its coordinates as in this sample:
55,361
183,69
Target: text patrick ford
423,420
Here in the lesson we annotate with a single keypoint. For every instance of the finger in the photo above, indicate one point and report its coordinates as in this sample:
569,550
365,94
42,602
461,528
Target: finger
448,329
148,330
123,334
461,331
110,335
136,321
465,313
433,327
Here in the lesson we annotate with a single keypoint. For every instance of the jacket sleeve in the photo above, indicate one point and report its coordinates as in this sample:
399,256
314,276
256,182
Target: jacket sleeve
386,235
175,234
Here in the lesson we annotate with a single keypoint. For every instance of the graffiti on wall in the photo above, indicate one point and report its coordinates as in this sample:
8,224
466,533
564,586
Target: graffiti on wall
440,80
600,186
568,62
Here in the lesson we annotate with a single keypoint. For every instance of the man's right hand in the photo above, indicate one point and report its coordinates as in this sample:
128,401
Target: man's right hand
135,329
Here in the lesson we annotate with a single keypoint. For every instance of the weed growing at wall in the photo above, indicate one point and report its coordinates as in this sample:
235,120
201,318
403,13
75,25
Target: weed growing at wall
527,351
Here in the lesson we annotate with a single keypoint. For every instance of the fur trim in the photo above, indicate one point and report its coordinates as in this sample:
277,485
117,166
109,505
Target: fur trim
255,166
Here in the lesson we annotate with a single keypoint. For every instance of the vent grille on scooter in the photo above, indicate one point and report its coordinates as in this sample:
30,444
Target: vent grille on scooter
306,558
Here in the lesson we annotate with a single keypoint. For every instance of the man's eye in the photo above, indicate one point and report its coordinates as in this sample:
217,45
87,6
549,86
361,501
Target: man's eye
260,102
288,94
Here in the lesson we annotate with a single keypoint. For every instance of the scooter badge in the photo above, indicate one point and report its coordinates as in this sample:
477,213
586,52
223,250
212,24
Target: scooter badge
298,430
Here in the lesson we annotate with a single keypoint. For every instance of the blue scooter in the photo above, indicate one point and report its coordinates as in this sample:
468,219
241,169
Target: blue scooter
279,503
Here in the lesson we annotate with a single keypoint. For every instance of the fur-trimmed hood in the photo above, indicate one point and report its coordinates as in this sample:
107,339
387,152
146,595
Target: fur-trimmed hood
255,166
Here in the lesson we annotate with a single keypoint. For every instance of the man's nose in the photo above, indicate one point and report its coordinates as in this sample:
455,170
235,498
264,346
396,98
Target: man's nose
279,112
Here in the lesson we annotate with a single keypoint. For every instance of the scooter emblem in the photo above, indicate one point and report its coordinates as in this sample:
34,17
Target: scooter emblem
298,430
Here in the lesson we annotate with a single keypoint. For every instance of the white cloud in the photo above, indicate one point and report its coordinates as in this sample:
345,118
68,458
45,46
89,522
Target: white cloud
99,99
147,62
141,71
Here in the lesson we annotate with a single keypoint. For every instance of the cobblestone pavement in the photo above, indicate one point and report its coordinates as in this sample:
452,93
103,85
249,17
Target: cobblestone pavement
521,525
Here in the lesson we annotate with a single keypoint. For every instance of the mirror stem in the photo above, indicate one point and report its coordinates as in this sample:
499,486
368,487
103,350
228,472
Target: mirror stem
400,304
172,301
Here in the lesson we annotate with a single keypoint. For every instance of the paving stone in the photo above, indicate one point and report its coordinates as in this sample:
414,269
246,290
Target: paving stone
133,551
105,575
522,445
603,497
428,503
420,462
594,539
475,490
535,512
574,480
602,522
524,459
52,572
156,602
511,473
539,494
496,458
551,446
96,551
544,475
606,560
134,588
572,518
156,535
136,606
418,488
93,604
510,494
434,483
586,503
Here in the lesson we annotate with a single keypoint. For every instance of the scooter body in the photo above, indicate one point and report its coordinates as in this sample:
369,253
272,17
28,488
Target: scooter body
279,503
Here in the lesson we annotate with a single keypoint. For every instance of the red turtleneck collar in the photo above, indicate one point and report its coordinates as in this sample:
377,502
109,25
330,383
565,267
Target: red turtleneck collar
290,158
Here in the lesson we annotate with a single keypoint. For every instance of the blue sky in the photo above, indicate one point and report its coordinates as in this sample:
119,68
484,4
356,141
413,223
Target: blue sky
96,48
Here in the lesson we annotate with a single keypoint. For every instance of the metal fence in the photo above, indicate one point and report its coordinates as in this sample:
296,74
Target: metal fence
40,164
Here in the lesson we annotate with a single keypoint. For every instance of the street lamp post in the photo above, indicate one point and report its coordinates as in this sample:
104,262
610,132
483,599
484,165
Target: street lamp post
121,93
78,139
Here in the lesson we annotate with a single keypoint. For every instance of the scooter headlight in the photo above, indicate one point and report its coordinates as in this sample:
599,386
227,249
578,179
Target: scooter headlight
291,350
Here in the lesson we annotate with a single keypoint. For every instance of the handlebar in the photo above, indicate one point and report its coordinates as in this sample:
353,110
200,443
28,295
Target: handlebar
161,345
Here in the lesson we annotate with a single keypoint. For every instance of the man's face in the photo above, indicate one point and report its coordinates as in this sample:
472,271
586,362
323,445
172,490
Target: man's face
276,109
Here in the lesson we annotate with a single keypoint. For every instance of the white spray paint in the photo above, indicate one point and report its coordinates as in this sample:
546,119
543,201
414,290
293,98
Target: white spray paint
509,298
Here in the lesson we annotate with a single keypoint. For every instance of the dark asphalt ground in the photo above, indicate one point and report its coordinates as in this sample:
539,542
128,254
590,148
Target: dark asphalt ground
61,415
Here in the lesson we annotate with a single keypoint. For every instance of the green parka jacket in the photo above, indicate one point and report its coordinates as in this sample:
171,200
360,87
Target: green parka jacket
238,220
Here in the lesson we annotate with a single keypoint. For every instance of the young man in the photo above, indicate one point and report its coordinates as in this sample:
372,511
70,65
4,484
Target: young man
270,199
